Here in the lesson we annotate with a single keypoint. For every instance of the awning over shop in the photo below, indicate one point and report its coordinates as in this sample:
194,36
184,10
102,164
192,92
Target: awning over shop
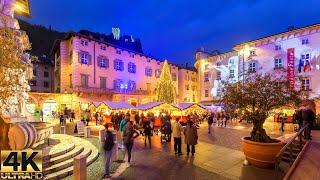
190,106
114,105
156,105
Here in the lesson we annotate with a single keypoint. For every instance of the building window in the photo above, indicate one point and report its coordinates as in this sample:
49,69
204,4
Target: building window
278,64
186,78
218,75
219,92
187,87
148,71
35,73
252,67
45,74
84,80
304,63
304,41
148,59
118,65
206,77
84,43
277,47
131,67
131,55
206,93
157,73
103,48
33,83
305,84
231,61
46,67
46,84
118,84
206,67
103,82
118,51
218,64
252,52
231,73
193,79
103,62
85,58
193,88
174,76
131,85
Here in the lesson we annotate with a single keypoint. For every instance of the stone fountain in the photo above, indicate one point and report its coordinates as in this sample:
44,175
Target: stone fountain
18,130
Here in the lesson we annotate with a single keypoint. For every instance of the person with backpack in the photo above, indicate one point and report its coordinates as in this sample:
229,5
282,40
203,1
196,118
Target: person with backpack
108,147
129,134
210,122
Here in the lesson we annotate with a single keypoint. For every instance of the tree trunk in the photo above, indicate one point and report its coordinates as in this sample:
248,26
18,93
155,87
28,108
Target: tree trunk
258,133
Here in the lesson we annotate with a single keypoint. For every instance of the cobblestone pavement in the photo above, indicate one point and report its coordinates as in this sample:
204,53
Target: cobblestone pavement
218,156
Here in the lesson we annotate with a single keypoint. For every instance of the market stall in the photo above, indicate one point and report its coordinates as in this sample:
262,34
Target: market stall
106,108
189,108
157,108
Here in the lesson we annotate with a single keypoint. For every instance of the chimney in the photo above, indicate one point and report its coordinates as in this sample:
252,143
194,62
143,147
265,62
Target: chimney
291,28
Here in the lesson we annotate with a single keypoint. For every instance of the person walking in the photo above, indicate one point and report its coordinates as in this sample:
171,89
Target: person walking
176,133
41,115
72,116
61,119
168,130
147,131
308,120
96,115
191,137
282,121
108,150
122,127
210,122
226,119
129,134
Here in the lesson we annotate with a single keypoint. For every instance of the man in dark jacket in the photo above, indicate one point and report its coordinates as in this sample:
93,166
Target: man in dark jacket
210,121
108,146
308,119
147,131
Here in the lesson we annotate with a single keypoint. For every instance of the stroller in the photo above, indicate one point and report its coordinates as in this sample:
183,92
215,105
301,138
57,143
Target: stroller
165,133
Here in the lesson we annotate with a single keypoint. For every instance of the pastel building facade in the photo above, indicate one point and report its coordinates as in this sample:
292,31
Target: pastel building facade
98,71
213,70
294,54
188,85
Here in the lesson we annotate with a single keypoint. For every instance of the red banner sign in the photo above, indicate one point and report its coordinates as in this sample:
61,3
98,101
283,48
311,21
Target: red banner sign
290,66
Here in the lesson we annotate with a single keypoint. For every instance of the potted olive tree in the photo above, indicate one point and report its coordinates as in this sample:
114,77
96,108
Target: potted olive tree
253,99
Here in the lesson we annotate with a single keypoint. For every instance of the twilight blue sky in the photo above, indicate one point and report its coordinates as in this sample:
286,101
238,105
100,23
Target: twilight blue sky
175,29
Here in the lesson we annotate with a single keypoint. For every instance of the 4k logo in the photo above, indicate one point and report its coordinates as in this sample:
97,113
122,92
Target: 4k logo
21,165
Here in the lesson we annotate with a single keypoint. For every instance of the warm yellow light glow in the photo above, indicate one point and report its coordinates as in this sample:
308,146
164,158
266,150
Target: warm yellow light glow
18,7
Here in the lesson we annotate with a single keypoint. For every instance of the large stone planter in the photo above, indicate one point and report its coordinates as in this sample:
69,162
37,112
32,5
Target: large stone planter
261,154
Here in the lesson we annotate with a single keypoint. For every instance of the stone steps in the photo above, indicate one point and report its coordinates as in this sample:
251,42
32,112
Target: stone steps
61,166
58,159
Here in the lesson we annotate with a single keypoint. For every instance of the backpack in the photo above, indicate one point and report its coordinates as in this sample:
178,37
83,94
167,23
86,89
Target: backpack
108,143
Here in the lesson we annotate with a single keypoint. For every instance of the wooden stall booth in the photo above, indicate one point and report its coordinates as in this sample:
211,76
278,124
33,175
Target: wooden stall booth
157,108
106,108
189,108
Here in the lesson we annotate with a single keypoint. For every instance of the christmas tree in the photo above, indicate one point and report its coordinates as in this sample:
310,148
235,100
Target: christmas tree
165,88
